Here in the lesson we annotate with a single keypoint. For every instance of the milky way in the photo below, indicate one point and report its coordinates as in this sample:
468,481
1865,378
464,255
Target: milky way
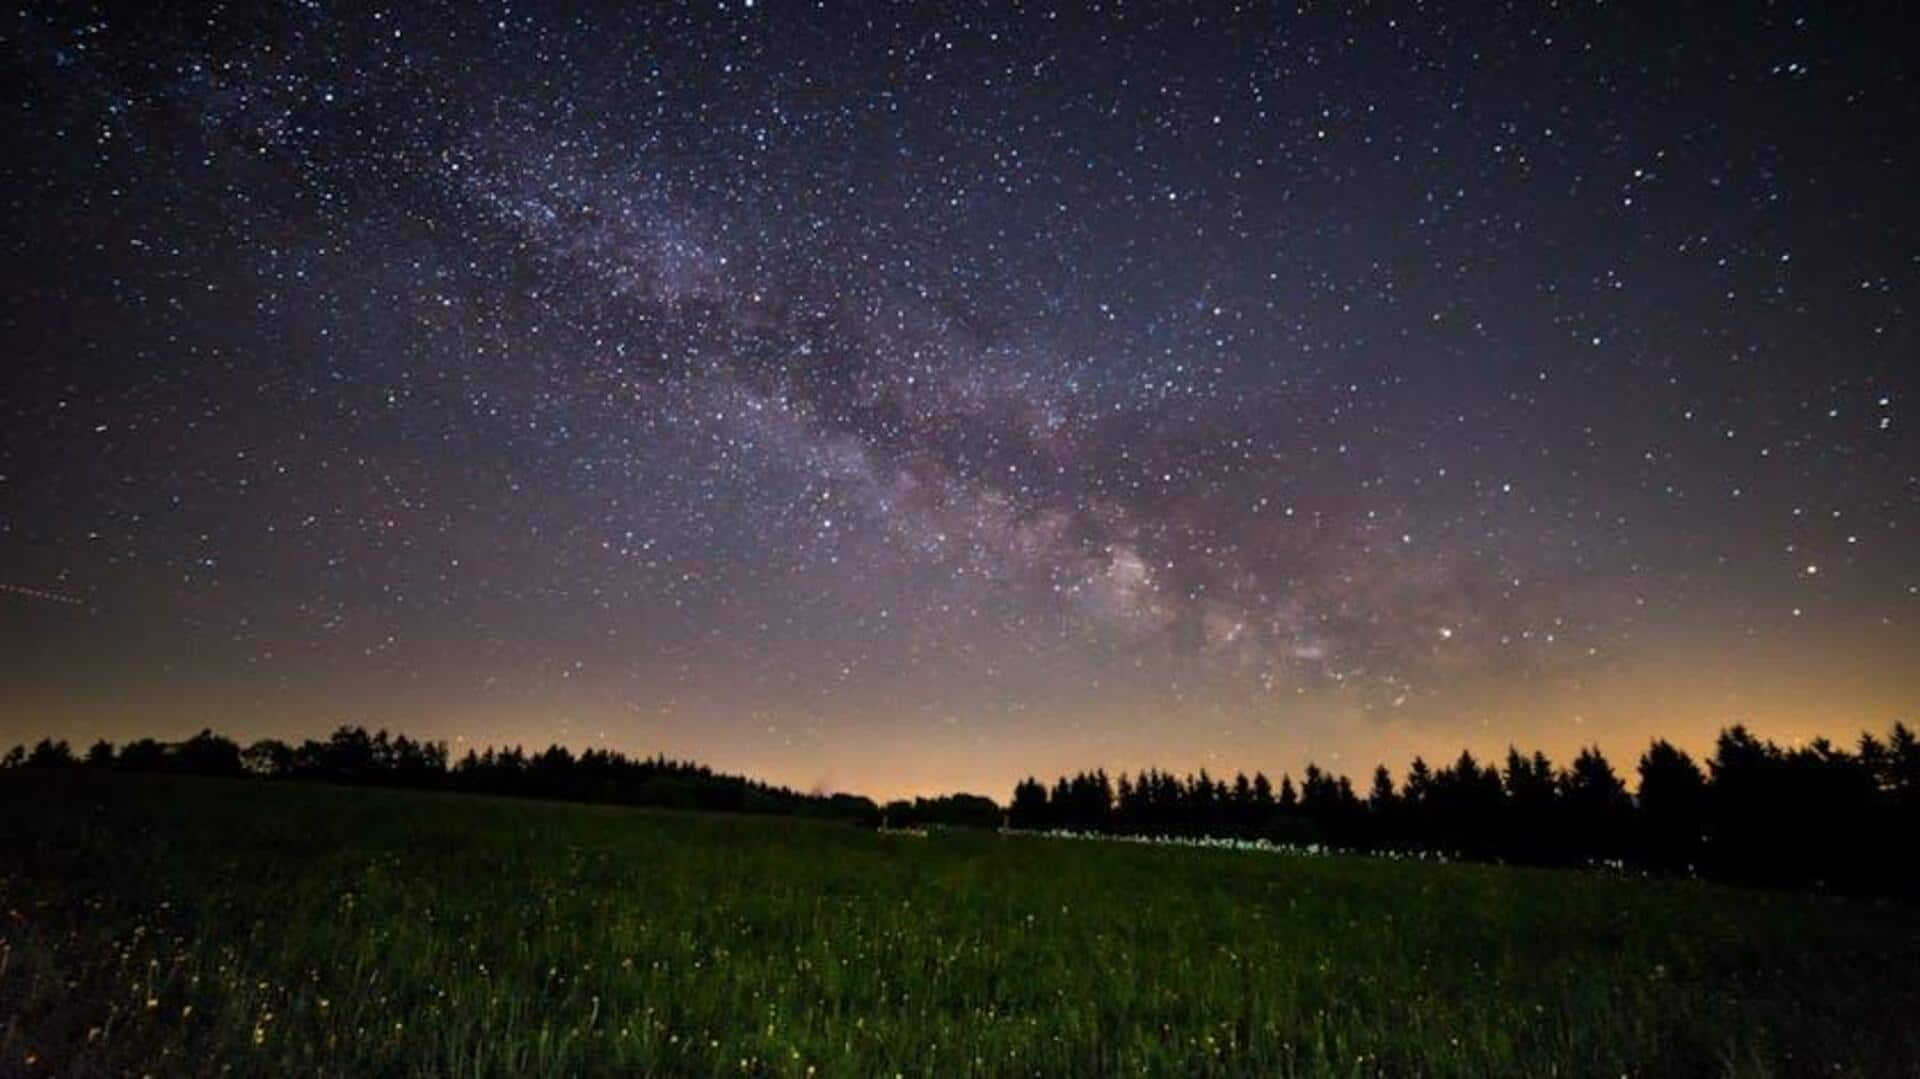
904,398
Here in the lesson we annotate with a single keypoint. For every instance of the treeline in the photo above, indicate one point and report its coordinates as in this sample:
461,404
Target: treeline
1756,813
946,811
352,755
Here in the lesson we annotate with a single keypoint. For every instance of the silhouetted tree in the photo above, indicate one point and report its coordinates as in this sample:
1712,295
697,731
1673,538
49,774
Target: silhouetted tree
1463,804
1837,798
269,757
1239,807
143,755
51,753
1596,806
946,811
1673,806
1900,775
208,754
1417,819
1029,809
348,754
1532,812
1381,798
1745,813
1383,810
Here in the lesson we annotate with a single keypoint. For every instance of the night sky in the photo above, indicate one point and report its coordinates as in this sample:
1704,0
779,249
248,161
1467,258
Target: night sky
903,399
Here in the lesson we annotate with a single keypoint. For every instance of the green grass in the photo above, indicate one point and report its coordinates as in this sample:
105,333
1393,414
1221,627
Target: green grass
163,925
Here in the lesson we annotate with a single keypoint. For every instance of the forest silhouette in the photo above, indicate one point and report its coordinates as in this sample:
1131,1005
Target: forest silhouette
1816,815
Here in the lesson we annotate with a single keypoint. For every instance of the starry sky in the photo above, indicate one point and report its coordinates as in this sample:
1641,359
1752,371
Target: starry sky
903,398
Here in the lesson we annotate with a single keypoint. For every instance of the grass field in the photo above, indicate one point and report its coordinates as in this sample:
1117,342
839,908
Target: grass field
161,925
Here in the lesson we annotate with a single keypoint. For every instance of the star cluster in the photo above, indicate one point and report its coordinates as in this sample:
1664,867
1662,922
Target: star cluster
906,397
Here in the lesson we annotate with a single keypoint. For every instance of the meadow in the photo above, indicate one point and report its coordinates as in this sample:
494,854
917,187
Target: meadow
175,925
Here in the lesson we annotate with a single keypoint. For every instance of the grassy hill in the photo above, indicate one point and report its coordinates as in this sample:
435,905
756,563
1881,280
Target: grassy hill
177,925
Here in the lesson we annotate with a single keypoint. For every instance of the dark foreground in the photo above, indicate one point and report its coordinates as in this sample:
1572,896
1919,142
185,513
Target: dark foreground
173,925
